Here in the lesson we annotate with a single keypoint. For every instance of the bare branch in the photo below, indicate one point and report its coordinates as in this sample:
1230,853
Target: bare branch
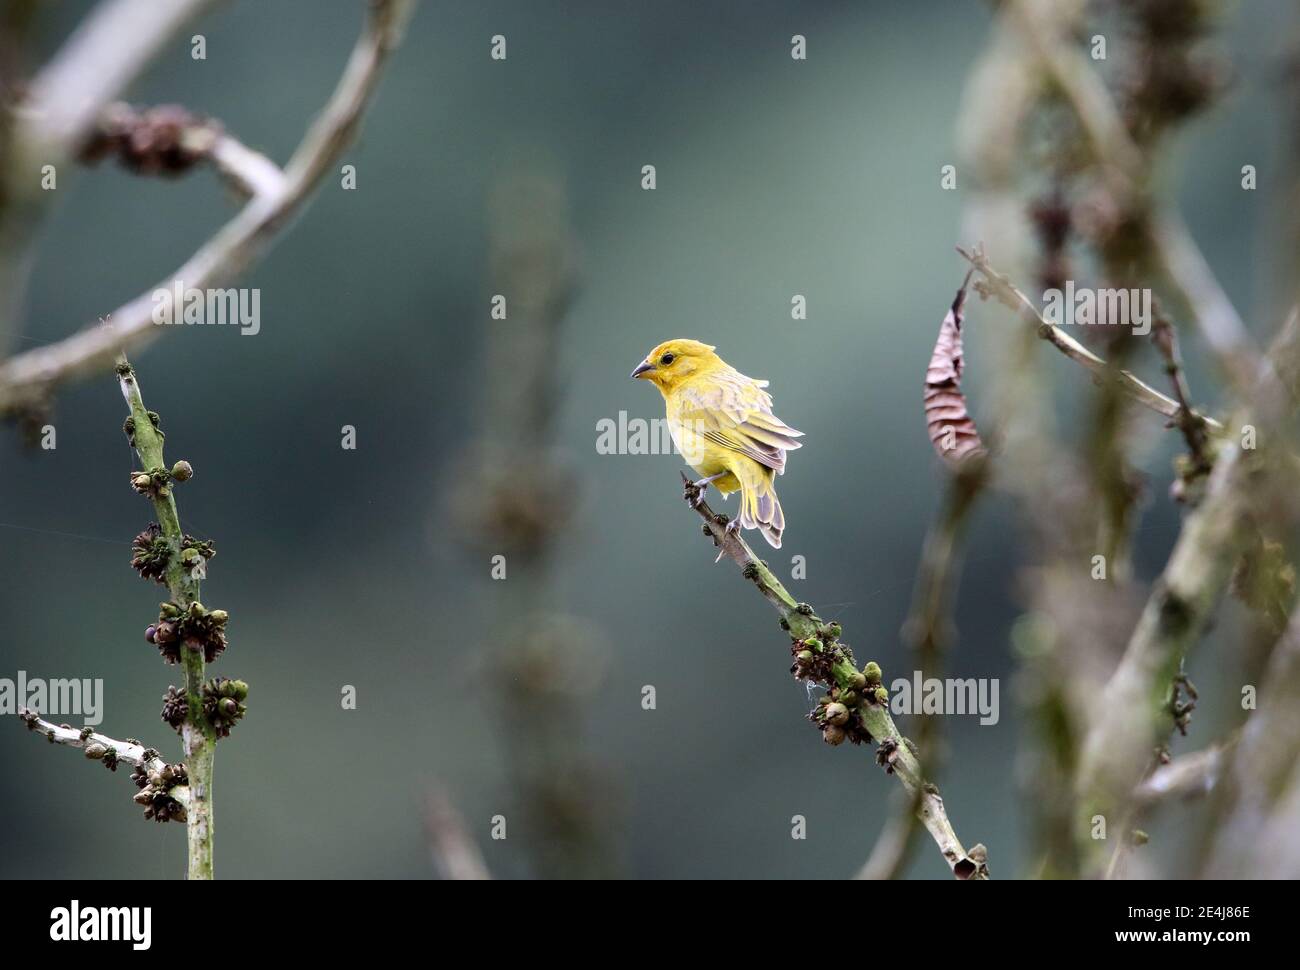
100,747
239,242
169,140
1006,293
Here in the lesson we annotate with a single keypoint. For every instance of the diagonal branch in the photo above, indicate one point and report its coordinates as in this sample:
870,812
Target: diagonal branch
894,752
240,241
928,631
1001,288
100,747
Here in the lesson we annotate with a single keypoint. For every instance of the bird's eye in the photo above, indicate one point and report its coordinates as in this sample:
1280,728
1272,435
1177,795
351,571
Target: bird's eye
666,359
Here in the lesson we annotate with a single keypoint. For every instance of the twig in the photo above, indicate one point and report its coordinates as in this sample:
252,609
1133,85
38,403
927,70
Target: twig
250,172
1193,429
109,751
894,751
1006,293
927,631
240,241
169,140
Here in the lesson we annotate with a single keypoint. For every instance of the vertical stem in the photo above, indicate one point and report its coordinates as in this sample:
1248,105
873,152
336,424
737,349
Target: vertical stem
198,736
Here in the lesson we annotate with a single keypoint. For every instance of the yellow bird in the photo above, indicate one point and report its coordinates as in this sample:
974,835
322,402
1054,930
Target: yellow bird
722,423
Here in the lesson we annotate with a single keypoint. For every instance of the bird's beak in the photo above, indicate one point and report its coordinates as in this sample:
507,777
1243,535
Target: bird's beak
642,368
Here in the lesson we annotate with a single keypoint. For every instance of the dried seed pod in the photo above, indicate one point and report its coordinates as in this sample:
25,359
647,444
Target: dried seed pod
150,553
952,432
175,707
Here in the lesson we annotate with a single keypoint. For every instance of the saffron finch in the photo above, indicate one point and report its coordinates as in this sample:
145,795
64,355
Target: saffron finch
722,423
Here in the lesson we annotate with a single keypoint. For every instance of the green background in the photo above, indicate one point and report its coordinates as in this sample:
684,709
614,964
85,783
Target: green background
775,177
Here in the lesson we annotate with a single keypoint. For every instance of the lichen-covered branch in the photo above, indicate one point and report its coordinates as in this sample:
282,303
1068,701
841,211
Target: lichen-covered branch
856,706
29,376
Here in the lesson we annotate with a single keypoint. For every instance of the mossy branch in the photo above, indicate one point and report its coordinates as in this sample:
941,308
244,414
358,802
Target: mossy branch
865,700
198,735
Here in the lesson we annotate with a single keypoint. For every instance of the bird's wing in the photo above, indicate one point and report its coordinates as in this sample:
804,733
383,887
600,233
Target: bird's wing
734,411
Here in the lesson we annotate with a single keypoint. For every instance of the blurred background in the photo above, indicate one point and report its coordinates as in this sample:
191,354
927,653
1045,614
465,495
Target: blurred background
372,567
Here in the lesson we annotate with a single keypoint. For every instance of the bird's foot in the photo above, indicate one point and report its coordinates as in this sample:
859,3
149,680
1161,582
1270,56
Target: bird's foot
693,492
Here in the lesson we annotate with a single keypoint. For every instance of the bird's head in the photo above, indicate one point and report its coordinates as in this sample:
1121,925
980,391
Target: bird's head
675,360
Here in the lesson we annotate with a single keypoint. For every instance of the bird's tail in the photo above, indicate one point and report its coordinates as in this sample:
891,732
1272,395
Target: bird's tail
761,509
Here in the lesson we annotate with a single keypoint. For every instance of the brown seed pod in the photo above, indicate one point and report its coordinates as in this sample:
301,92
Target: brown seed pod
952,432
150,553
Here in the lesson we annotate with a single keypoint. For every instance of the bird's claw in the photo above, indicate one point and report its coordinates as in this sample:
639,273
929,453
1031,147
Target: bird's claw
693,492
